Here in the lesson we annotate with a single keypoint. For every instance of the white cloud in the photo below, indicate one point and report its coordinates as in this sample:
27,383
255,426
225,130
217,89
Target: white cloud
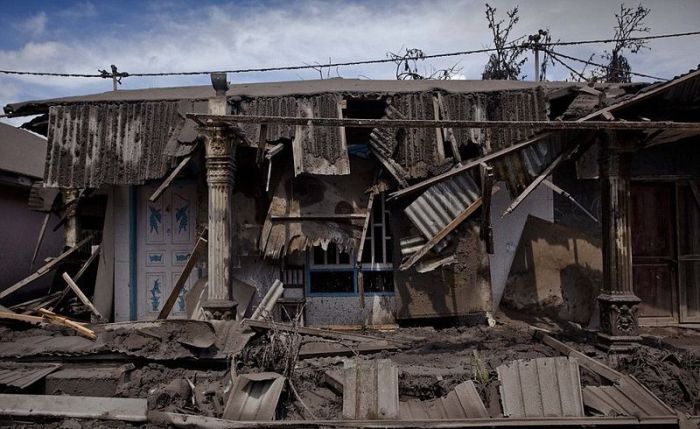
170,37
35,25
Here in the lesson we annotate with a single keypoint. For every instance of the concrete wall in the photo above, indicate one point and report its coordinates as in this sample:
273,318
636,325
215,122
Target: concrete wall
557,272
19,230
379,310
507,231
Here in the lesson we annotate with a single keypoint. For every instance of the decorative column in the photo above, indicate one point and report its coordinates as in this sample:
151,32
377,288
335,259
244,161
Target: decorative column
71,231
619,327
220,147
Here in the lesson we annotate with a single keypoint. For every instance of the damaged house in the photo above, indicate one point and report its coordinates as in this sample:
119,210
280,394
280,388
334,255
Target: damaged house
379,202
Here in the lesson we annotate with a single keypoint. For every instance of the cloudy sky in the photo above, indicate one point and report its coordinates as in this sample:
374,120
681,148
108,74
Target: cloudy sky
137,36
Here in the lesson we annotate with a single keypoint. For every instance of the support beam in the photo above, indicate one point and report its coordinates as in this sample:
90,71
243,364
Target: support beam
43,270
189,265
71,230
163,186
619,325
440,235
81,296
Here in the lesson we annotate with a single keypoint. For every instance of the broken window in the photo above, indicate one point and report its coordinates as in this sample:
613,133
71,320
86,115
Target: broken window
334,272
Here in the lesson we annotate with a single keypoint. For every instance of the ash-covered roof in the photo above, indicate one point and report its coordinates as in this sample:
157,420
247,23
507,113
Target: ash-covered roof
21,152
279,89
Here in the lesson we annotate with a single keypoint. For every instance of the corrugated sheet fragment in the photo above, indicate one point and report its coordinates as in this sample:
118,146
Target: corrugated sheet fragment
41,199
519,168
416,149
439,204
22,375
370,390
463,402
96,144
317,150
542,387
254,397
628,398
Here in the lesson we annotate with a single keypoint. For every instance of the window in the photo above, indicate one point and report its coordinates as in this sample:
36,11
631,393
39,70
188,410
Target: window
335,272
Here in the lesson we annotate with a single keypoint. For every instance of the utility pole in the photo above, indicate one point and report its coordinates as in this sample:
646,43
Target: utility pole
534,40
114,77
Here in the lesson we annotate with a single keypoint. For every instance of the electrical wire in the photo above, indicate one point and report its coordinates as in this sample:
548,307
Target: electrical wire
569,57
106,75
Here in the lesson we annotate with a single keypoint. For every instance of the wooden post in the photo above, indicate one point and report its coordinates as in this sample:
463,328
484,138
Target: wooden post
220,150
619,327
70,203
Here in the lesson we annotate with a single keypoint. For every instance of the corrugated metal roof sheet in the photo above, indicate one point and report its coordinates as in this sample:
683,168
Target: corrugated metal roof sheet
628,398
92,145
22,375
370,390
543,387
463,402
254,397
278,89
438,205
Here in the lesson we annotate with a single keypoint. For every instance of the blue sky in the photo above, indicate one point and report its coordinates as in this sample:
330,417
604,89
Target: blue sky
138,36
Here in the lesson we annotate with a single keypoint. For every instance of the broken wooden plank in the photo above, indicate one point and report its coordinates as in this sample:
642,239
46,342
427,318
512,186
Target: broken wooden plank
587,362
186,270
267,304
392,167
568,196
45,269
163,186
361,246
565,154
440,235
464,167
312,216
81,296
262,143
315,332
53,318
39,240
87,407
9,315
79,274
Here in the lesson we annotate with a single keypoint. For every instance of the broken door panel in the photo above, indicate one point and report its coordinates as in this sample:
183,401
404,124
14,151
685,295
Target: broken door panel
652,217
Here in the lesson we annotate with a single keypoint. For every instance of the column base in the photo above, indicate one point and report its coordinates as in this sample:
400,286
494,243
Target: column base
220,310
619,325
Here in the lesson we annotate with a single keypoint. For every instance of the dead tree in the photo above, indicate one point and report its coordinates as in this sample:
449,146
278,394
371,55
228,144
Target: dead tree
630,23
508,60
407,66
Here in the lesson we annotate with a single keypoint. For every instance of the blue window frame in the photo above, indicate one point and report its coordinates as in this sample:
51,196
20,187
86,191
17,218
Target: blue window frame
331,272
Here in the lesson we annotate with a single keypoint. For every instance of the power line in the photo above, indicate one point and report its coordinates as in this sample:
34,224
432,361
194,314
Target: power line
568,57
103,74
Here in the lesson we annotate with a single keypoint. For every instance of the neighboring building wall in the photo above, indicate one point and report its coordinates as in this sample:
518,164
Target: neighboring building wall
379,310
507,231
19,229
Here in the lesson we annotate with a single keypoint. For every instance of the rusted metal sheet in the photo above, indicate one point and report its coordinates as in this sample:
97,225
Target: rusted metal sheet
22,375
254,396
438,205
463,402
370,390
317,150
627,398
543,387
96,144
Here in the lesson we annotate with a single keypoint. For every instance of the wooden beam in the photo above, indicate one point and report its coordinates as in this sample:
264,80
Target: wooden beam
9,315
45,269
262,143
81,296
42,231
440,235
565,154
81,407
311,216
77,276
486,231
464,167
53,318
361,247
568,196
163,186
199,247
224,120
